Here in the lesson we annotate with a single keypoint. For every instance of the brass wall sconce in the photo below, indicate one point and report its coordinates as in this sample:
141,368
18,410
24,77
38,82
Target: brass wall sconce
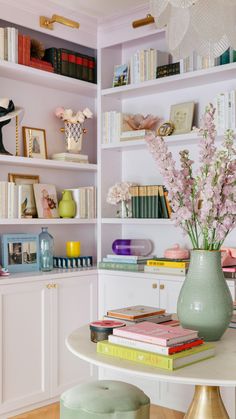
145,21
47,23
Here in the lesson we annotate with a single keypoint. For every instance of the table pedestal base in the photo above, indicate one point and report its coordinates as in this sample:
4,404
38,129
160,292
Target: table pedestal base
207,403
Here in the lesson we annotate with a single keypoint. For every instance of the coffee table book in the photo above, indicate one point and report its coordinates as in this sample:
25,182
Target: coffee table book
159,318
157,333
135,312
167,362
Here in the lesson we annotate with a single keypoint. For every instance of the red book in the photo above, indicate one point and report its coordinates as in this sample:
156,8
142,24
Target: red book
79,66
41,67
72,64
20,48
26,49
40,62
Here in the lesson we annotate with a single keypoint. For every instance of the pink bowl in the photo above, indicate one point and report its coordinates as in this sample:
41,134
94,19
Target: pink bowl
176,252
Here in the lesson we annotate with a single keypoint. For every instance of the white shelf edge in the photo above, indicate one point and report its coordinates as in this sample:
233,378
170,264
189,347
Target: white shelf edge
44,78
147,221
42,221
46,163
178,81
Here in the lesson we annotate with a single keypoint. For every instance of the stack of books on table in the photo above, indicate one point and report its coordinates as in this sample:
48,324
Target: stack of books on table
167,266
139,313
124,262
156,345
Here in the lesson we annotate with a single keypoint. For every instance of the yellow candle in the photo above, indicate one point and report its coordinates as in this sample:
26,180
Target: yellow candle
72,249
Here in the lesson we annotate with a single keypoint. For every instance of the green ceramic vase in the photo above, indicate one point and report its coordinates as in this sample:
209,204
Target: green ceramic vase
205,303
67,206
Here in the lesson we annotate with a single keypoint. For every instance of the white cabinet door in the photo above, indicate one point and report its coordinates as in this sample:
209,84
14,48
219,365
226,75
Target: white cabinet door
24,344
169,292
74,303
123,290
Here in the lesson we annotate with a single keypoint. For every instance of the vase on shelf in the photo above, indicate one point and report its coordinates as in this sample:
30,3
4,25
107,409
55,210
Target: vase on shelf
73,136
67,206
205,303
124,210
46,249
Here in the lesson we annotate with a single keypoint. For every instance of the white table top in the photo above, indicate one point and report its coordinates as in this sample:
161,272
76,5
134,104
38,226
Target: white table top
217,371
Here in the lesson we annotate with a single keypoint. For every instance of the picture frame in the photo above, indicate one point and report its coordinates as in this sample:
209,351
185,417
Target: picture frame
27,208
34,142
181,115
121,75
20,252
46,200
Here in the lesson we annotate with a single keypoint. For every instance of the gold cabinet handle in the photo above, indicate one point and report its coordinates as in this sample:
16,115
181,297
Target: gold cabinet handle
162,287
54,285
49,286
154,285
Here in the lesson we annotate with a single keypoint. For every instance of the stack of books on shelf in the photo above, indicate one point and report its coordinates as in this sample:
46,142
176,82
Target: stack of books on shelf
225,116
85,200
143,64
71,157
150,201
124,262
168,70
156,345
167,266
140,313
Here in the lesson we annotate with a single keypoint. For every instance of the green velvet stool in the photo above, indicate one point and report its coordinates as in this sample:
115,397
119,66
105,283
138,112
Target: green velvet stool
104,399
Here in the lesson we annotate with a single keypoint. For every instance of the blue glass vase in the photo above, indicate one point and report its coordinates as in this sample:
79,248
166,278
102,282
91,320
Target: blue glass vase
46,248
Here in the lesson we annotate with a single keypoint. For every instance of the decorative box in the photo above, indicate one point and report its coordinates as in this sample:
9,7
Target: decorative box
67,263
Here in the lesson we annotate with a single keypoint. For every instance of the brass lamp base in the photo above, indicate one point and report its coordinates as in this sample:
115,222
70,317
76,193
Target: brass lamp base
207,403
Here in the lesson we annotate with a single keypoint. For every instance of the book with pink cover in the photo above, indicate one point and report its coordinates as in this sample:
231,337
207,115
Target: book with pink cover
156,333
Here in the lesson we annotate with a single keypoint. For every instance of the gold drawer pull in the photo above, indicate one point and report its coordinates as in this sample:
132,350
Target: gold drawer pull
154,286
49,286
162,287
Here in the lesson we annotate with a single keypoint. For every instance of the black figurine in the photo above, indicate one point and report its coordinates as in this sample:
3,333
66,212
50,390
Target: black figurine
3,112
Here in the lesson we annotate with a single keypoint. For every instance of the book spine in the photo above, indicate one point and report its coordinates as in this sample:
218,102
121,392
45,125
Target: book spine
134,133
72,64
20,48
64,62
137,344
168,207
27,50
142,202
85,68
142,357
168,264
155,200
51,56
123,260
79,66
163,202
121,266
165,270
134,201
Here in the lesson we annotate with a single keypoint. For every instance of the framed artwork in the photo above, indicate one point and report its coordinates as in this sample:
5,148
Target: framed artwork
34,142
46,200
121,75
27,207
181,115
20,252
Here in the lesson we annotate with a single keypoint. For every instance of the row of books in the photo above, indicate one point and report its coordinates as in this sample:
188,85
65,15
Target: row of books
150,264
158,344
12,198
143,64
225,117
85,200
150,201
16,47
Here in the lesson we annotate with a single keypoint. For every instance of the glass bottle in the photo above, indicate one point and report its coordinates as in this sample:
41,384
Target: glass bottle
46,248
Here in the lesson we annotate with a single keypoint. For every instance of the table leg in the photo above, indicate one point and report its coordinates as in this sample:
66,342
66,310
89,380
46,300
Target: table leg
207,403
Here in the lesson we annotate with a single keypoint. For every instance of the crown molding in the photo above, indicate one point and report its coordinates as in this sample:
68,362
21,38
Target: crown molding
27,12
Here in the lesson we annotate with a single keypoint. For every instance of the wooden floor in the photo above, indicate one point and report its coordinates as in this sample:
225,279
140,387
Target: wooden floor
52,412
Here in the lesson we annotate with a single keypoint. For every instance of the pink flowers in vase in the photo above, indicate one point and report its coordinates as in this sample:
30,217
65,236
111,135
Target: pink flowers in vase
204,204
74,117
120,193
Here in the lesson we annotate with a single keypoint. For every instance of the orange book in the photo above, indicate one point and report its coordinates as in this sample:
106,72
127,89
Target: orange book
135,312
168,207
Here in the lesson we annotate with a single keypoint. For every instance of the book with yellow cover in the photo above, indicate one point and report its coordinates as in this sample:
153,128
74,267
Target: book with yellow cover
168,263
167,362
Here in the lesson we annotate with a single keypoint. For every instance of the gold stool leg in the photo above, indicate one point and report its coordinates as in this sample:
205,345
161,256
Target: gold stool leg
207,404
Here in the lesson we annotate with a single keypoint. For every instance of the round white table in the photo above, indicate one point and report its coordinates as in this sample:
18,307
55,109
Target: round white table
207,376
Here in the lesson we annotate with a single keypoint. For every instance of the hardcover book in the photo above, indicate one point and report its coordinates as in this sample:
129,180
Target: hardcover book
167,362
135,312
157,333
160,318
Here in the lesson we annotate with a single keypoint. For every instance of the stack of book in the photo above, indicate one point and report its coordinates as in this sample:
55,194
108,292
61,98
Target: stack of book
167,266
156,345
139,313
85,200
124,262
72,157
150,201
143,64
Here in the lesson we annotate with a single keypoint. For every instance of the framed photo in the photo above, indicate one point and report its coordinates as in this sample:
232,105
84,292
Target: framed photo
34,142
27,205
182,117
20,252
46,200
121,75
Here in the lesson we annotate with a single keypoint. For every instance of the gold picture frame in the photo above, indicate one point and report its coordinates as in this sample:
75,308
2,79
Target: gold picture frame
34,142
22,179
181,115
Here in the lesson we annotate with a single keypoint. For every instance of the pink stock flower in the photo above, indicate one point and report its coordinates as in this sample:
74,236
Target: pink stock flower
204,204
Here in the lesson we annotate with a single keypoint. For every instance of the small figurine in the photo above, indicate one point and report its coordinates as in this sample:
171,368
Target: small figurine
4,271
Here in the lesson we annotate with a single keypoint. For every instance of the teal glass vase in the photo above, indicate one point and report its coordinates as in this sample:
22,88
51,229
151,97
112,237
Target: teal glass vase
46,249
205,303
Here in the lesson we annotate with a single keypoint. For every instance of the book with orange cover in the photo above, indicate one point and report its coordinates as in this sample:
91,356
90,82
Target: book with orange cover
156,333
135,312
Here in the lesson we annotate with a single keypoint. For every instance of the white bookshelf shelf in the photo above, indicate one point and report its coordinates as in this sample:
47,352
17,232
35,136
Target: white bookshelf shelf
44,78
49,221
176,82
138,221
47,163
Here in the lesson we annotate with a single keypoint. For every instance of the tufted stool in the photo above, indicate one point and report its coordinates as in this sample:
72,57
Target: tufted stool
104,399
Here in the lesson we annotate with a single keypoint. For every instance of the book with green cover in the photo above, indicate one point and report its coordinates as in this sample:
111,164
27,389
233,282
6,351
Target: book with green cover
167,362
134,201
118,266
